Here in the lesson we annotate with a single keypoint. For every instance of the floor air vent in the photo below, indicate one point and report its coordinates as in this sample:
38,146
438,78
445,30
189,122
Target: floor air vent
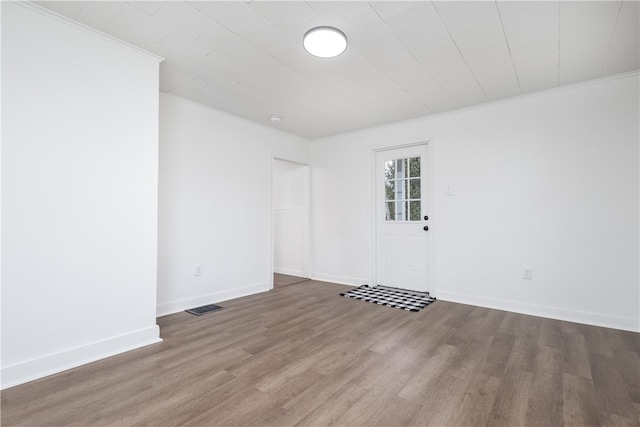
199,311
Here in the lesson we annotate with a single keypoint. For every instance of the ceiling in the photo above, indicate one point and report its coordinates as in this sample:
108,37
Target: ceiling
405,59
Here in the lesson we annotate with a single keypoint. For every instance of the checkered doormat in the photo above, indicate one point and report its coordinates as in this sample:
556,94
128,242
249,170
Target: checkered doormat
392,297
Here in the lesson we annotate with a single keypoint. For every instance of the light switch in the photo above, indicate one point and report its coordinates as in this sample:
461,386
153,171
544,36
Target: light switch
450,191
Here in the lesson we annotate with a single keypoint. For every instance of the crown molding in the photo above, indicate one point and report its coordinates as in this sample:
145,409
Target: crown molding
68,21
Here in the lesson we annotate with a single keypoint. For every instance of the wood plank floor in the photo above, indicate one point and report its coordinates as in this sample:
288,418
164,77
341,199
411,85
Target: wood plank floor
280,280
302,355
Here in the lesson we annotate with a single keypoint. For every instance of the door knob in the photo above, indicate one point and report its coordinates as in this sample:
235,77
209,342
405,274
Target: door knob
425,228
426,218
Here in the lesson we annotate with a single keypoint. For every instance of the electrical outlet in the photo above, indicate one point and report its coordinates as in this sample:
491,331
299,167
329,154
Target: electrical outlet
198,270
527,272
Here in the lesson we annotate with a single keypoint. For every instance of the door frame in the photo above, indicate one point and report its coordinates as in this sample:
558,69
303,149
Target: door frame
306,173
429,181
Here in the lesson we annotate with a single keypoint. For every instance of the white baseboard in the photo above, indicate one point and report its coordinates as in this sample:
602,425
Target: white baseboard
212,298
52,364
288,272
585,317
340,280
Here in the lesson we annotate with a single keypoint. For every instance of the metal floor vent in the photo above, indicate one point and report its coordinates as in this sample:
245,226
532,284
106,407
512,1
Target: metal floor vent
199,311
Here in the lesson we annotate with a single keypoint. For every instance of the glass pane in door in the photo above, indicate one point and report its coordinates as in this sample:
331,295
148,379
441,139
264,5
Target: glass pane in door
402,182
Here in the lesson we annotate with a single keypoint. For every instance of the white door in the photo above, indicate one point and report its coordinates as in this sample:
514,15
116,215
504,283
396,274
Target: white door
402,218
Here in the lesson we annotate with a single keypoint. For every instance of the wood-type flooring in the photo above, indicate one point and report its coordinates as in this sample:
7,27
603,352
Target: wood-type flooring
301,355
280,280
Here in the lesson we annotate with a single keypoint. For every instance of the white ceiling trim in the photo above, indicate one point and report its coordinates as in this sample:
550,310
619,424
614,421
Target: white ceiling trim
67,21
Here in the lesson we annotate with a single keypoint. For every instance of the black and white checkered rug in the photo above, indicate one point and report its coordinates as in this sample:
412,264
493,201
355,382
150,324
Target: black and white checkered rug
393,297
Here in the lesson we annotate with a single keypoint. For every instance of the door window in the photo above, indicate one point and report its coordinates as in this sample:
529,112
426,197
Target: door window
402,181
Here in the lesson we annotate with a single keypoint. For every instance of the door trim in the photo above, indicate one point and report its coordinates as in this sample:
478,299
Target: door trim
430,183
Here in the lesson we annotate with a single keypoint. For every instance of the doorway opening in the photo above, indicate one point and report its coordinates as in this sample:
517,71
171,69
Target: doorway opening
290,222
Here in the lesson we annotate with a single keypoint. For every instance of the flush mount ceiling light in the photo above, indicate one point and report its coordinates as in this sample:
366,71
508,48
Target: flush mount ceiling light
275,118
324,42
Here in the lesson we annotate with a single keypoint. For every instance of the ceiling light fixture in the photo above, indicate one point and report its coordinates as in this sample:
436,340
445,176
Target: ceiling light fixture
324,42
275,118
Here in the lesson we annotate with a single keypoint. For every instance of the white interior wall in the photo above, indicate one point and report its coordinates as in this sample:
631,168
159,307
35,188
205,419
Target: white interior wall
289,218
548,181
339,200
215,203
79,195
